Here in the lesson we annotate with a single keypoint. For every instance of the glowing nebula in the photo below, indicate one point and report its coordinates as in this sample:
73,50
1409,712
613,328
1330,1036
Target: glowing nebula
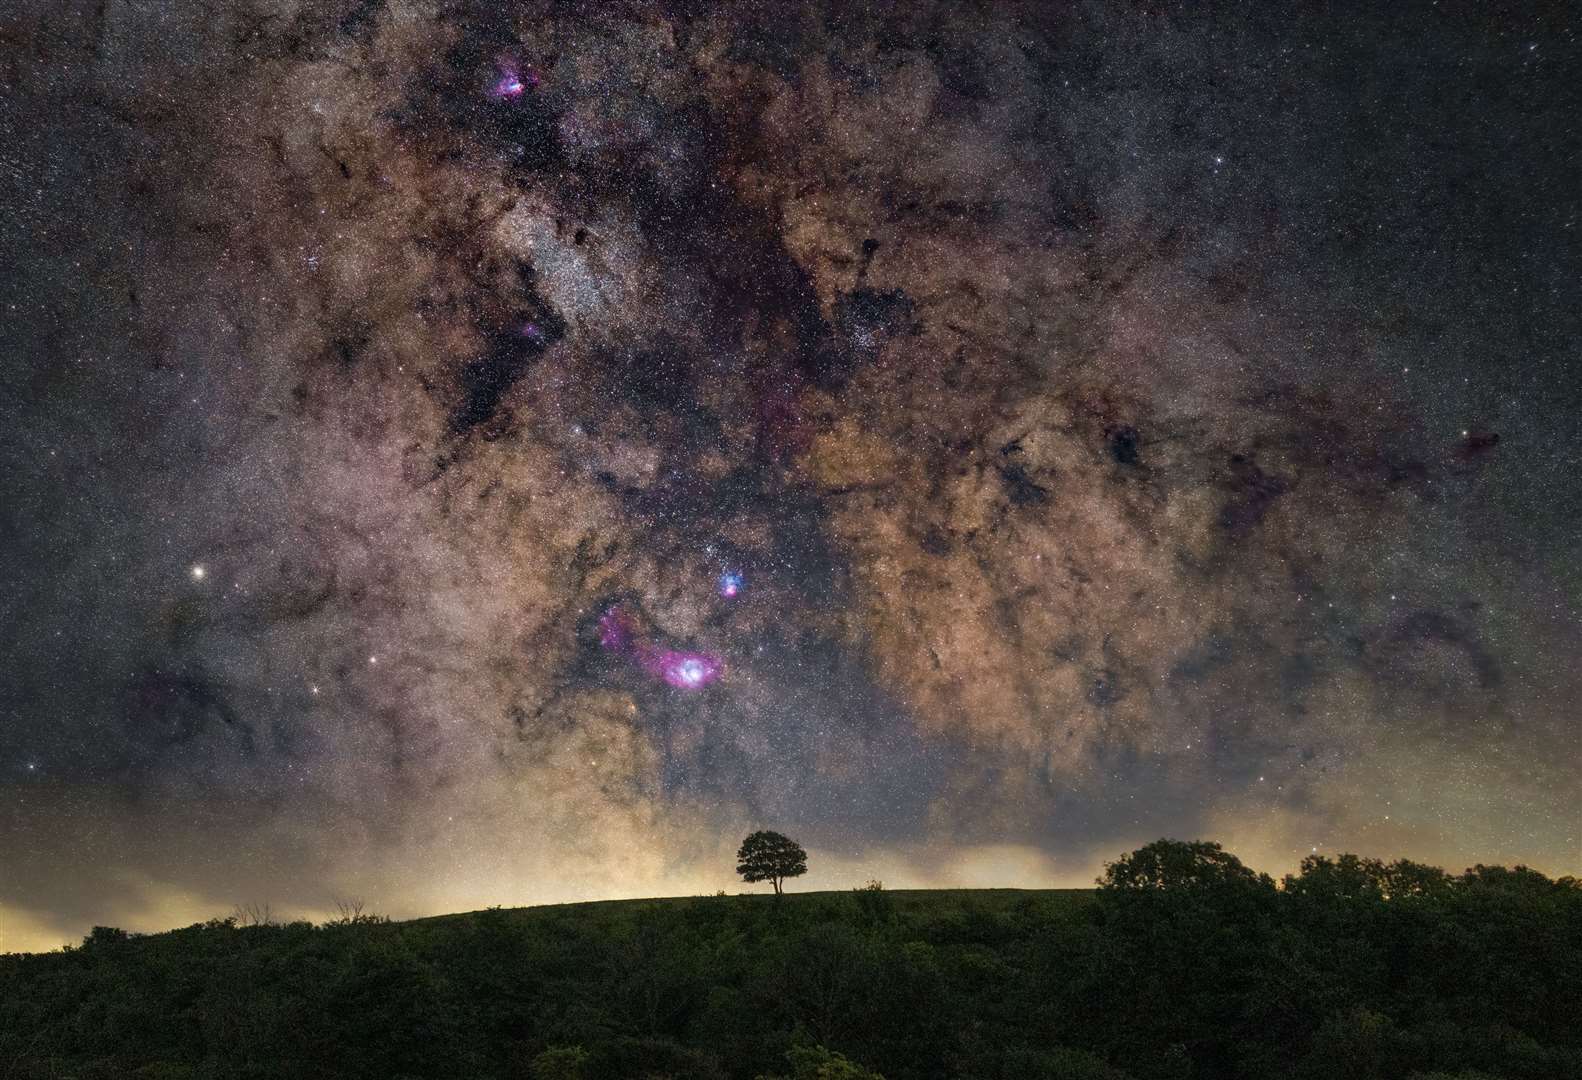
731,583
686,670
512,83
683,670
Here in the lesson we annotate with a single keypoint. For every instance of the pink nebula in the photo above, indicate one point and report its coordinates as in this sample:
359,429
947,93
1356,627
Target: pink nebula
683,670
512,83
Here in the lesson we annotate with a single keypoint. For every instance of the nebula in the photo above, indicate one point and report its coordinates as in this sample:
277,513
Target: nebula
684,670
511,80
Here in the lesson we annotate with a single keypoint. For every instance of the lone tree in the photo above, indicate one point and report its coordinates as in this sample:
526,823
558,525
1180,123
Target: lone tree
768,856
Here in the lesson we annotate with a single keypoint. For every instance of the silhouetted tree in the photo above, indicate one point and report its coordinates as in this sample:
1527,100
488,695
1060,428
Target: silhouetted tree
771,857
1346,877
104,936
1515,879
1352,877
349,912
252,913
1179,864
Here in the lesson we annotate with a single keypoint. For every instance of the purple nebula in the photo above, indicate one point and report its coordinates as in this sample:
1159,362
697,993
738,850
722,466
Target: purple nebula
684,670
512,82
509,86
731,584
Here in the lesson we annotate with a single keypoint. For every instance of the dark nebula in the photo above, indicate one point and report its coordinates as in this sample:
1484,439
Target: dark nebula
470,454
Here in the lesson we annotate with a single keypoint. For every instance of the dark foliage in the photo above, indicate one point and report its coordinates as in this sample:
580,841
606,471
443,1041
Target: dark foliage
771,857
1183,963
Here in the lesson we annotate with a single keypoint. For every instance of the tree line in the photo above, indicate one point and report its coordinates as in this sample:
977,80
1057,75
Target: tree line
1184,964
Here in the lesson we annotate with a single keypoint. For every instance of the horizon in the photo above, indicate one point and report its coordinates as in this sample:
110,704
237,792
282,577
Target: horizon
813,883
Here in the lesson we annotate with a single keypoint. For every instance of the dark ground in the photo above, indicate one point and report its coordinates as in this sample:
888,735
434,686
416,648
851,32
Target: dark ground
1183,965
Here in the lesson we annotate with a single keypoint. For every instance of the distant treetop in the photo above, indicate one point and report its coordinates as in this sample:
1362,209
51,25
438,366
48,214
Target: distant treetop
1179,864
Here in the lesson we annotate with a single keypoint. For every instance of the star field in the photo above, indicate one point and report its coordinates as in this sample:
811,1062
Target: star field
477,454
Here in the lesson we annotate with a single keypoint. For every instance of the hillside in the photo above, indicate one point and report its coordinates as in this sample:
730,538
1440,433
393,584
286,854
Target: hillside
1200,973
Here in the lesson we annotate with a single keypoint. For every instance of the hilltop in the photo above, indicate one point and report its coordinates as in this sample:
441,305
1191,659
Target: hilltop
1181,967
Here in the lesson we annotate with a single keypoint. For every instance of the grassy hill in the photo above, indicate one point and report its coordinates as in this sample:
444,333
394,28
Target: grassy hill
1197,976
912,903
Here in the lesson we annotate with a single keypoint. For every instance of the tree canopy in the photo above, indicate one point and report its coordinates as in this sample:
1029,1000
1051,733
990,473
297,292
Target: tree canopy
771,857
1180,864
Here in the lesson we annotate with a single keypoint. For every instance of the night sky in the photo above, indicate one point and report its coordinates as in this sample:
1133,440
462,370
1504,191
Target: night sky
461,454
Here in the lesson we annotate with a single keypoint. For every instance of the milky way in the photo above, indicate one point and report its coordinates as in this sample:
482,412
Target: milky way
473,454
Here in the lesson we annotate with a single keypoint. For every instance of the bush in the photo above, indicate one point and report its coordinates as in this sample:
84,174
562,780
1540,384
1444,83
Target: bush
560,1063
873,903
817,1063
